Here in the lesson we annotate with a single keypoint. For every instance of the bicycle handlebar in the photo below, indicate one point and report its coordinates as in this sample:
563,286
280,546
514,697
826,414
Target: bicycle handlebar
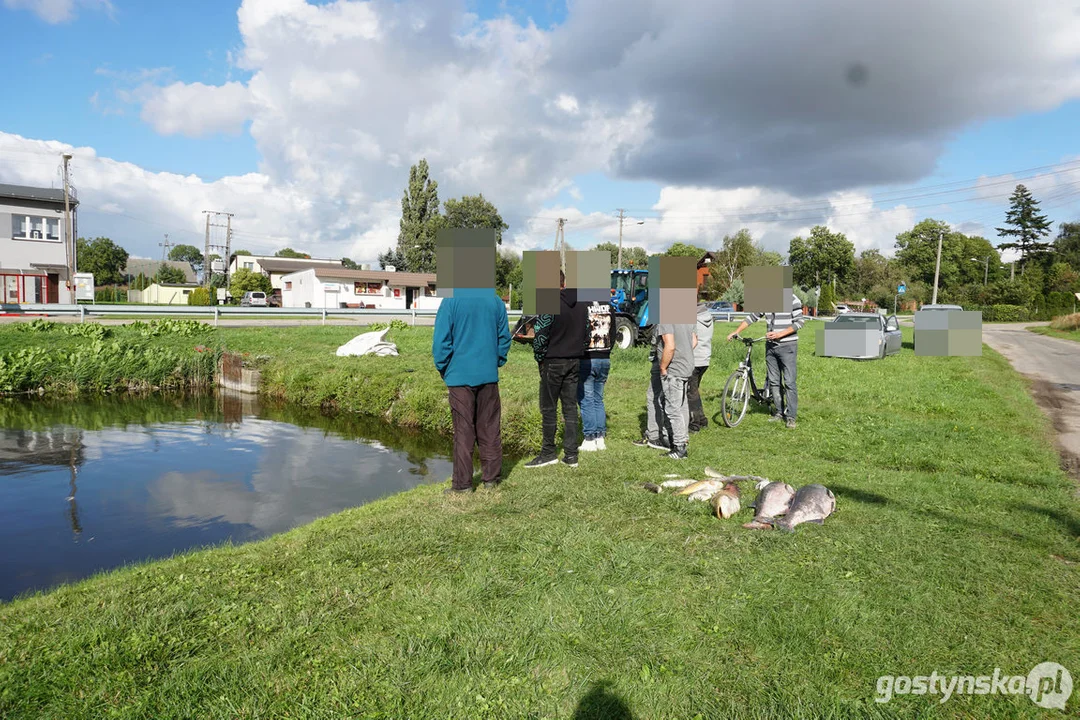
749,341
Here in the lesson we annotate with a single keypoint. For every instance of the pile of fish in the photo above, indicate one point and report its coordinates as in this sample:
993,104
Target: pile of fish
778,505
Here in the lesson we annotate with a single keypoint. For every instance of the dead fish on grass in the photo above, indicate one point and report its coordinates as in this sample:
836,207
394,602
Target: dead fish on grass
812,503
702,489
652,487
710,473
726,502
772,501
680,483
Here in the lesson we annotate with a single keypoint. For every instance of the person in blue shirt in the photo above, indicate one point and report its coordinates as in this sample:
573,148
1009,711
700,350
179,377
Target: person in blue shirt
471,343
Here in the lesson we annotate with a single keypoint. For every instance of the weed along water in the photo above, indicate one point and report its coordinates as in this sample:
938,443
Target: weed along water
91,485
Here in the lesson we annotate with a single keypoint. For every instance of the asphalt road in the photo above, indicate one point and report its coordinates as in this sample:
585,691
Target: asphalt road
1053,366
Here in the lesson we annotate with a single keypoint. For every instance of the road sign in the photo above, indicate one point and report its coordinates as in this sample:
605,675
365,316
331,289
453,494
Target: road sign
901,289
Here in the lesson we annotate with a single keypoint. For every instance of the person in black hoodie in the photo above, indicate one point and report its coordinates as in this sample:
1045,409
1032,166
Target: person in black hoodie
558,346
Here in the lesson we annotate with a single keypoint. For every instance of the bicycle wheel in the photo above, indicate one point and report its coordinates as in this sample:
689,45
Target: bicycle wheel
735,398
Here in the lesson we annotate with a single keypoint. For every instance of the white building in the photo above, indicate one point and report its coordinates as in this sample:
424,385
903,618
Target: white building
340,287
277,268
162,294
34,246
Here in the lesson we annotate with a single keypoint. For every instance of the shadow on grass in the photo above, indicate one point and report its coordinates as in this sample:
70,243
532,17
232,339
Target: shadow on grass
985,527
602,704
1068,522
869,498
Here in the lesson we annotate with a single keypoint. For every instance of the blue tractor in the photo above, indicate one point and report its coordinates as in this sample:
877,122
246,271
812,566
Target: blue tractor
630,301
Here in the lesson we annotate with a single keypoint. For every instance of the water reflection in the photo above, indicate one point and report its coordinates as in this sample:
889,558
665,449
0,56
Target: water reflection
150,477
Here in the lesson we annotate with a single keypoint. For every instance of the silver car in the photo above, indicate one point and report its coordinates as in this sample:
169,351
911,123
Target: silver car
860,336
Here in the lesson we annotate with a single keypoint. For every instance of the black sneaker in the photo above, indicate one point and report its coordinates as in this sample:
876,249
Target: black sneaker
570,461
646,442
677,453
541,461
641,443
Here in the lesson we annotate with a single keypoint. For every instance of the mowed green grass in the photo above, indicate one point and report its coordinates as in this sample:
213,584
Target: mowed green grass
954,549
1064,334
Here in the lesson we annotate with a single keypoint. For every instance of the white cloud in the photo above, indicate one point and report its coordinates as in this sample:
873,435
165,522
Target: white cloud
58,11
196,109
743,116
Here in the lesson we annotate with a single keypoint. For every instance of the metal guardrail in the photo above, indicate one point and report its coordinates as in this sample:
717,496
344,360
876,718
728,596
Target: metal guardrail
214,311
727,316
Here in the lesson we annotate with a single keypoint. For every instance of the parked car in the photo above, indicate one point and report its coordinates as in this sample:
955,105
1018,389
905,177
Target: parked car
720,307
941,307
878,337
253,299
842,309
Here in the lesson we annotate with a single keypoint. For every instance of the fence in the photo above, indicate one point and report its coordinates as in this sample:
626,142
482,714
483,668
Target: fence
216,312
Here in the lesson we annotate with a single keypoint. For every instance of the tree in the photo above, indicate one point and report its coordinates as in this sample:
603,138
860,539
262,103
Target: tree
349,264
824,257
1067,244
102,257
245,280
681,249
241,252
189,254
474,211
632,256
420,221
394,257
768,257
140,282
290,253
916,249
505,262
736,252
1062,278
1026,224
167,274
826,300
734,293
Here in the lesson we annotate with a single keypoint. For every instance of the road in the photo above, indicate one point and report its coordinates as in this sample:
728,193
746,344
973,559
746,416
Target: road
1053,366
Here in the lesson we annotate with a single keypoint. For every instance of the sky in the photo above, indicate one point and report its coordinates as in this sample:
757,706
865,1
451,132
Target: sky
303,118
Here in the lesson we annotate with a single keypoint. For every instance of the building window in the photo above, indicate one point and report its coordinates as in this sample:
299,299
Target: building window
33,227
288,285
187,292
249,266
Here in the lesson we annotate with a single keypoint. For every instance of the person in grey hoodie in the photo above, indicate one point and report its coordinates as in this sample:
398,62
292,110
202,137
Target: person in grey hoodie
702,356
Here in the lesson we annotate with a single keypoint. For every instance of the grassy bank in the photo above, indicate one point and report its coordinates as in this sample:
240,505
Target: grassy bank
1067,327
954,549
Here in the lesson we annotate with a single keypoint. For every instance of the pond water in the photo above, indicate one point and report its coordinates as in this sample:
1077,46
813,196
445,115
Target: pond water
90,485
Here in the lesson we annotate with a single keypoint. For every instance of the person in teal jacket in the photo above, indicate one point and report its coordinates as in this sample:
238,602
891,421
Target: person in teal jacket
471,343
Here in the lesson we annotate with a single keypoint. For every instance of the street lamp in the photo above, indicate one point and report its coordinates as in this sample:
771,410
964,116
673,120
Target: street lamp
642,222
986,267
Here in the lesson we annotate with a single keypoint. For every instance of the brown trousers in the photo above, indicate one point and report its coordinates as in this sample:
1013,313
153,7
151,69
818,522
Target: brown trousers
477,415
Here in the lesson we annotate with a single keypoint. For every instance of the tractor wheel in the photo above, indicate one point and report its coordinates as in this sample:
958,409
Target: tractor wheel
625,333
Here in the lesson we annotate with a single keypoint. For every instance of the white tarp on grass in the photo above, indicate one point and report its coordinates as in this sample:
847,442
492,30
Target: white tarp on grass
370,343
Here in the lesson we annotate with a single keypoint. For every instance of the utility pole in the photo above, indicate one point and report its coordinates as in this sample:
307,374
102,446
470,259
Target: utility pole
69,244
937,267
560,243
165,248
622,215
208,272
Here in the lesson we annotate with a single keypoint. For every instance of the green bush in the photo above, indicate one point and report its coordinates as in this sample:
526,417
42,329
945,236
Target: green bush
169,326
94,331
1004,313
199,296
38,325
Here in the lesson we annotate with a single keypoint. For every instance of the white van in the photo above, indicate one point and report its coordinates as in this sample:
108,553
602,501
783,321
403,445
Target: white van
253,299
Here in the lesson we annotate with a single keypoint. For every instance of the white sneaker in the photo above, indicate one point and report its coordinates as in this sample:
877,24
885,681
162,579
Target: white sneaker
600,444
588,446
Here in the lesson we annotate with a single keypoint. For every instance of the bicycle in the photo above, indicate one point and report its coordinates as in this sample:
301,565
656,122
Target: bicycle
740,387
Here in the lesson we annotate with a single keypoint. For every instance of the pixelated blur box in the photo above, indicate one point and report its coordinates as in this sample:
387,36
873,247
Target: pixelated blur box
540,274
589,273
956,333
767,289
464,259
849,337
672,290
